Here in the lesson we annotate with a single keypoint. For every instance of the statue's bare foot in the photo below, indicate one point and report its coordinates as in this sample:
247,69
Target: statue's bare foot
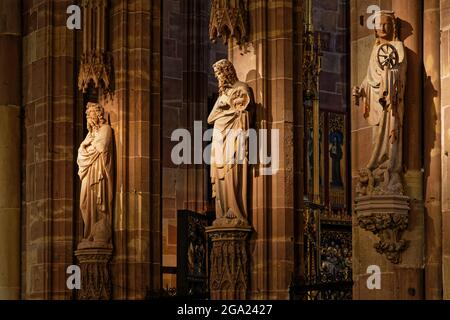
230,214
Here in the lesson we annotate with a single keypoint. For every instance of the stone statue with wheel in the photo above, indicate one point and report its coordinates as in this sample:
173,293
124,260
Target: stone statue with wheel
381,206
382,95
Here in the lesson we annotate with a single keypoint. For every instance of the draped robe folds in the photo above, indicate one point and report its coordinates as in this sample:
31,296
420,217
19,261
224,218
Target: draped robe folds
229,154
95,171
382,96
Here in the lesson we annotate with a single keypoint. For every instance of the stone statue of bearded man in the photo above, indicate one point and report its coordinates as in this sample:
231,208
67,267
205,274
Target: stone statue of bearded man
96,173
229,151
382,94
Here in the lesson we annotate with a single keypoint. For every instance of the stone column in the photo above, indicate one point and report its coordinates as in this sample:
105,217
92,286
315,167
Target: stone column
10,145
410,272
48,95
196,67
402,280
445,136
135,115
432,149
271,64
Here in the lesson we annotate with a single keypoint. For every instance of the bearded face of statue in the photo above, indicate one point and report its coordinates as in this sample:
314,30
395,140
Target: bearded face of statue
92,120
94,117
225,75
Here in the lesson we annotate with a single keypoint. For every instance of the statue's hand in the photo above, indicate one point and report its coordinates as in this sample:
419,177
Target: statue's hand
356,94
357,91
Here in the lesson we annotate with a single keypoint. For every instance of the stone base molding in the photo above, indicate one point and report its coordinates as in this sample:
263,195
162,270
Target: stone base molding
387,217
95,274
229,262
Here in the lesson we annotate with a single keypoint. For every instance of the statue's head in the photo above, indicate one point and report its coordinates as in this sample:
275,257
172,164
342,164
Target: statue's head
386,25
364,175
95,116
225,74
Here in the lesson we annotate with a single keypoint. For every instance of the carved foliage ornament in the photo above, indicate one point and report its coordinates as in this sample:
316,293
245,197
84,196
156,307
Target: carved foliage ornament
389,228
95,61
229,19
387,218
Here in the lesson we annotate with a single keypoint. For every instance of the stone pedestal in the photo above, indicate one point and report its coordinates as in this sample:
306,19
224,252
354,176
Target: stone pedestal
229,262
95,274
387,217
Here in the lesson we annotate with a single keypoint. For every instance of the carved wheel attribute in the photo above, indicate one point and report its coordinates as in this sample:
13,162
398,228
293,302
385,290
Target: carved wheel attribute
387,56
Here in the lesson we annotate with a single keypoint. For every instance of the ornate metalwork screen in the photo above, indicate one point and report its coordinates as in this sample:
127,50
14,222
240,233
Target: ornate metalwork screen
327,227
192,254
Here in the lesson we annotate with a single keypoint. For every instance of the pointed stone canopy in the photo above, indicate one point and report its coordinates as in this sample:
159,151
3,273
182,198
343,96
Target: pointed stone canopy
96,63
229,19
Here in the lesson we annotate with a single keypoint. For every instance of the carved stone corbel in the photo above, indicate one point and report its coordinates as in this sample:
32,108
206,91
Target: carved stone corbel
386,216
229,19
95,61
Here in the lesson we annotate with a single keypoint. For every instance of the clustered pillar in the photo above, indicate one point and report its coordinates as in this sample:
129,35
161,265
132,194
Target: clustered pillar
10,141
